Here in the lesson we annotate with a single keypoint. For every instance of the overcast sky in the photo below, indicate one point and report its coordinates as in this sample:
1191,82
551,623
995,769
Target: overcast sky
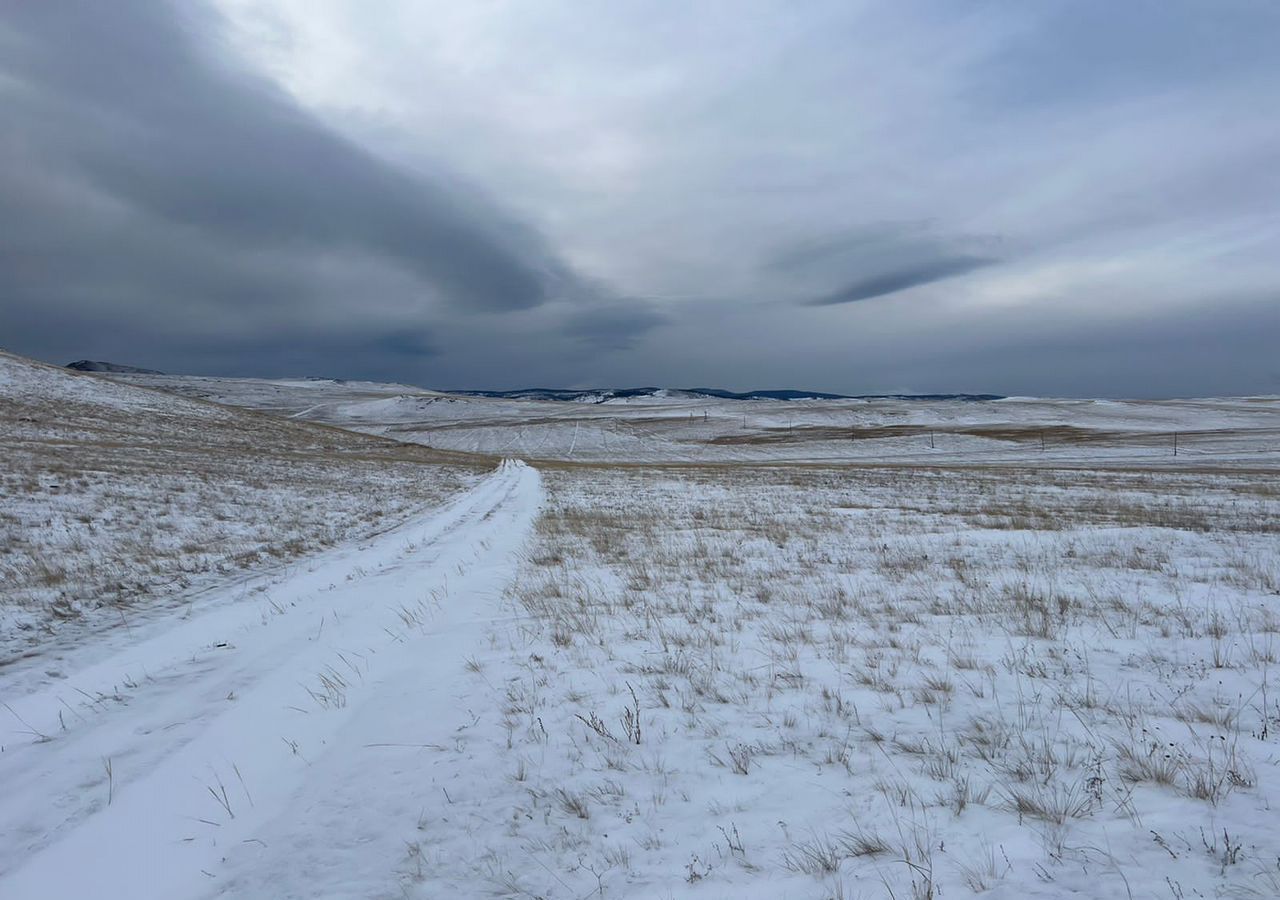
1074,198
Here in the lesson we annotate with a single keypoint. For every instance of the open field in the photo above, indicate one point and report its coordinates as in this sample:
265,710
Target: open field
115,499
684,428
1005,649
878,682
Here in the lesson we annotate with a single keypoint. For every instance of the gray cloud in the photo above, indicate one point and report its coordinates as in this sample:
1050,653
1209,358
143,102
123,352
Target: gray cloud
123,102
381,356
617,327
460,195
928,348
880,259
1072,53
901,279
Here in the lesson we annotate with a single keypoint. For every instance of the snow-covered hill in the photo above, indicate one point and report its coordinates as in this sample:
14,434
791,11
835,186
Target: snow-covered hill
648,425
114,498
926,648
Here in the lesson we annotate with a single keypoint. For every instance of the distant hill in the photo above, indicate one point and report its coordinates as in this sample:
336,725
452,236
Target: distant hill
603,395
95,365
968,398
766,395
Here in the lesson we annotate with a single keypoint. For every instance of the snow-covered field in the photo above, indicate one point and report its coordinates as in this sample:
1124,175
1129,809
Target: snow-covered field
687,428
268,743
704,648
809,682
115,500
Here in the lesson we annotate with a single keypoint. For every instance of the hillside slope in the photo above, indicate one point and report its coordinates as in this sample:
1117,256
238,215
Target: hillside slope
114,497
674,426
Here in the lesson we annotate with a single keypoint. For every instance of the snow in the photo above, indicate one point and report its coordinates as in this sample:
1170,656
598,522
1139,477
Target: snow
202,757
806,649
980,687
117,502
677,427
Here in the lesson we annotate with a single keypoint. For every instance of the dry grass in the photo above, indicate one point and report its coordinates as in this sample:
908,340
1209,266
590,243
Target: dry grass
1004,666
118,501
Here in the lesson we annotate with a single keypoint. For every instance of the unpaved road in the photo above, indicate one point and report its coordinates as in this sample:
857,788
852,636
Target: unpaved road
237,751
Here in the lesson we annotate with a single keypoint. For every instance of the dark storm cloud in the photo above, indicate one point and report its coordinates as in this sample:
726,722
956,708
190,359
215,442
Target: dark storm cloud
901,279
205,185
77,273
880,259
615,327
121,103
393,355
379,356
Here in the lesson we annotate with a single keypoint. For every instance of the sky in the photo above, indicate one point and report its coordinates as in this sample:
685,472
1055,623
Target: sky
1070,198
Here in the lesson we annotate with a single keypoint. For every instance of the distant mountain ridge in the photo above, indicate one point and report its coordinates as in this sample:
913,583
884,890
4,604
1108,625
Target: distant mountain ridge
97,365
603,395
599,395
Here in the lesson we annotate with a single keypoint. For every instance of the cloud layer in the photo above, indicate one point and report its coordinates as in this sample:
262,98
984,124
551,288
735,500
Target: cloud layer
757,195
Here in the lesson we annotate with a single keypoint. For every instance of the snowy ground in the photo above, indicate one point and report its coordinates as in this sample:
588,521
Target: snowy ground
973,668
900,683
115,500
683,428
264,747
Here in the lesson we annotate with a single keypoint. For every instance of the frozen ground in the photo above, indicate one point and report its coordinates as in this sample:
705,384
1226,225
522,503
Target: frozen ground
116,500
1027,431
269,745
820,683
973,668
